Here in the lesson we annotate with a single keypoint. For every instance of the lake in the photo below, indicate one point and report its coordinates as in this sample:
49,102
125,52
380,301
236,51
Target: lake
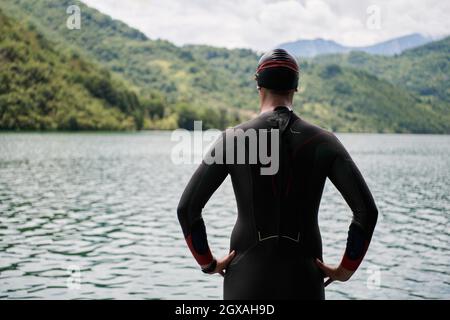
93,215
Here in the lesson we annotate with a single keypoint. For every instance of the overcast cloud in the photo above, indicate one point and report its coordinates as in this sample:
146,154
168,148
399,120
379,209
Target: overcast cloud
262,24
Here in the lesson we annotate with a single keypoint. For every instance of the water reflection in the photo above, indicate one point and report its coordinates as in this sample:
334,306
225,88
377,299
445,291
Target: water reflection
105,203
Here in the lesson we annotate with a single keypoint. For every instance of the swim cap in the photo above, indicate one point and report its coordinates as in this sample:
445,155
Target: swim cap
277,70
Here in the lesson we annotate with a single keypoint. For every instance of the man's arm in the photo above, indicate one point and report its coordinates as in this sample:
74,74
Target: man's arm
204,182
345,175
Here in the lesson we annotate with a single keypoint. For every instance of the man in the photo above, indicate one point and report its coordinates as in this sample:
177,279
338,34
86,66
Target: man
276,247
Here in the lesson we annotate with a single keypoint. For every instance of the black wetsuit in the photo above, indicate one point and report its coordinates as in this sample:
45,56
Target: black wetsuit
276,236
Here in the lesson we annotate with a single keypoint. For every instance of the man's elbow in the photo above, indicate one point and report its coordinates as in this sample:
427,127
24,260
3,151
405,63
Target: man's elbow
182,211
375,213
373,217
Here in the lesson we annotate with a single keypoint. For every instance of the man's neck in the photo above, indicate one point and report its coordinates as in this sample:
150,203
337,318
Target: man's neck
271,105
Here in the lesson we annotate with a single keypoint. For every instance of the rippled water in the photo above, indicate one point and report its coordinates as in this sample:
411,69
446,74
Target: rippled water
93,216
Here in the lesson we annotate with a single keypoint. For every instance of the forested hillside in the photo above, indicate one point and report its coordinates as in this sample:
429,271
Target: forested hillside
176,85
41,88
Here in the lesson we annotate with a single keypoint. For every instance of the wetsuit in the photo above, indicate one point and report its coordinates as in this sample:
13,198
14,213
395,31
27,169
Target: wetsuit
276,236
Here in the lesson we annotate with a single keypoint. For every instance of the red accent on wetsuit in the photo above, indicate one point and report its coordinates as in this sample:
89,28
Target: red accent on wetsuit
352,265
202,259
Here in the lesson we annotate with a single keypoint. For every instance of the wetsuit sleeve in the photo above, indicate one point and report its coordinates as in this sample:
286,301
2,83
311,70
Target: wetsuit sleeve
204,182
345,175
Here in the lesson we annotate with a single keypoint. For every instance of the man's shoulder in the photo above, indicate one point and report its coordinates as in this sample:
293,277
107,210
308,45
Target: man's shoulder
254,123
298,124
306,126
303,132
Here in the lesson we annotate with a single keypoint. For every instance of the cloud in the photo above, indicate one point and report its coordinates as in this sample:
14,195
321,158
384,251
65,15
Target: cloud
262,24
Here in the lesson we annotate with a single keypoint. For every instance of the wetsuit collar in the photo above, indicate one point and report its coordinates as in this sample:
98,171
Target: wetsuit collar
277,108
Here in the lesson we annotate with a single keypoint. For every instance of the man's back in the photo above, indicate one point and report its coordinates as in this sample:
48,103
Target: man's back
276,236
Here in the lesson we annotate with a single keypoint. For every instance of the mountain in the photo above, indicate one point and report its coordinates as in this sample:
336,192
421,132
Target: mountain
155,68
353,100
177,85
44,89
312,48
423,70
395,46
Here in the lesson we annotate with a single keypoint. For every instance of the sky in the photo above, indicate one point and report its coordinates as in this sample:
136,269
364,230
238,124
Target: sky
263,24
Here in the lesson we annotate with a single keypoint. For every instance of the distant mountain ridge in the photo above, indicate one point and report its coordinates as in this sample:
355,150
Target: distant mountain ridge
312,48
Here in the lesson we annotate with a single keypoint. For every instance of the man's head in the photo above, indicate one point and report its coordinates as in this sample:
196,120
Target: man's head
278,72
